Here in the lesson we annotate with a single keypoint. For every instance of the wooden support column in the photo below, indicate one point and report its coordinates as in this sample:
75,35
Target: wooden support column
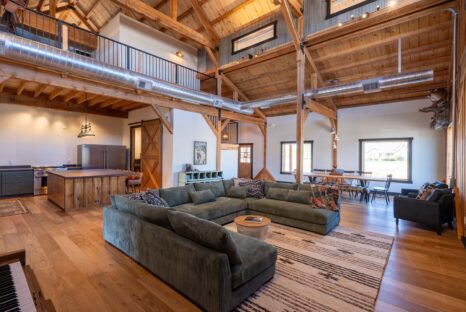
300,114
174,9
64,37
53,8
334,124
219,140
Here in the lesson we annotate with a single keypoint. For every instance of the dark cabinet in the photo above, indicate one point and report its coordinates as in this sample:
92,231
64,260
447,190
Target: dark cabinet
16,182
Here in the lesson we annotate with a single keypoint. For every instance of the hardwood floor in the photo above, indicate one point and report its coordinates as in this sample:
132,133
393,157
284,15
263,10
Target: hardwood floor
80,272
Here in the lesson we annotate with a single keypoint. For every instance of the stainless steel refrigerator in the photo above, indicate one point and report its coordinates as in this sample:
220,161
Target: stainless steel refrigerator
92,156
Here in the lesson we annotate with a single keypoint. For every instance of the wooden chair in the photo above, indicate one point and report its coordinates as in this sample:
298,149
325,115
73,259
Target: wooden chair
317,180
383,191
362,186
133,182
346,185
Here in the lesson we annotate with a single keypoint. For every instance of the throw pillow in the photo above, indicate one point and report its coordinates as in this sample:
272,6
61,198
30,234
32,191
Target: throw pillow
147,197
201,197
216,187
238,192
424,194
325,197
227,184
300,197
177,195
255,189
277,193
437,194
206,233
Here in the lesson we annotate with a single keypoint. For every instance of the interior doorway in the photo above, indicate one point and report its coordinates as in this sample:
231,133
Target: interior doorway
146,152
245,154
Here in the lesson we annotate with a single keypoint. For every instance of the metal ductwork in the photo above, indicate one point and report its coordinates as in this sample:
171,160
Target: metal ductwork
363,86
35,53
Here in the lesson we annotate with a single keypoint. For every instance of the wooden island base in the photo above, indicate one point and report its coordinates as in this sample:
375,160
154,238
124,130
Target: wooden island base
81,189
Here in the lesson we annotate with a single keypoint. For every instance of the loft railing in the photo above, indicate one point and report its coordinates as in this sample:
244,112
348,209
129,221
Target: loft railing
42,28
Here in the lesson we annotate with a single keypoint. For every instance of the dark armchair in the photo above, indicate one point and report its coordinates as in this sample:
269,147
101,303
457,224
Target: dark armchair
430,213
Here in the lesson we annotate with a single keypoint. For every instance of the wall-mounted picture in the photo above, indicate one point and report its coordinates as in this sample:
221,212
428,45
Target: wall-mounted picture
336,7
200,153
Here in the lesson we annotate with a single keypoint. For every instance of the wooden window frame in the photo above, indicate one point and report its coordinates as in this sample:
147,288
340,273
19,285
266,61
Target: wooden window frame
409,180
274,23
281,155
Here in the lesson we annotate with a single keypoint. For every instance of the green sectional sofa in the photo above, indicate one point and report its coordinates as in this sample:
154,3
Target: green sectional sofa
190,263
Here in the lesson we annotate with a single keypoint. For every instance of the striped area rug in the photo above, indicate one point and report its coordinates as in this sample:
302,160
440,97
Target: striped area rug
341,271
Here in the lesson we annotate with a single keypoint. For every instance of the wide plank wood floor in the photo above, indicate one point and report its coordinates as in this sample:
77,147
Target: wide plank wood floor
80,272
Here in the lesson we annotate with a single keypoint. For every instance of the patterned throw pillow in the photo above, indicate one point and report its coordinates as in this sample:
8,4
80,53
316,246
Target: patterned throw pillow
425,191
148,197
325,197
255,188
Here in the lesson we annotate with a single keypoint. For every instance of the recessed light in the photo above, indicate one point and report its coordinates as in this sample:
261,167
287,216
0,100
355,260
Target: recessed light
179,54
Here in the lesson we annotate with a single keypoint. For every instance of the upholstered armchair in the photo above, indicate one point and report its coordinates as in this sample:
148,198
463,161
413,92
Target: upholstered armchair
430,213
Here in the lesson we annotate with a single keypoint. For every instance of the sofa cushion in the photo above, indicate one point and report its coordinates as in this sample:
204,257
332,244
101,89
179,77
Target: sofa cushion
256,255
277,193
150,213
300,197
294,211
227,184
201,197
216,187
178,195
255,188
222,206
238,192
205,233
437,194
282,185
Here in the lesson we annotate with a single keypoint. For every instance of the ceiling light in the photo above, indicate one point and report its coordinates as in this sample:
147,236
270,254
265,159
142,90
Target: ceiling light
365,15
179,54
86,129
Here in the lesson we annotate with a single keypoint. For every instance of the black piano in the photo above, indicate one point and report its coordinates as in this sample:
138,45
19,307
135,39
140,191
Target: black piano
19,289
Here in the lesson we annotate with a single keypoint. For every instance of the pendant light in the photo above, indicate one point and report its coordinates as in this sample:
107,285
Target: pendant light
86,127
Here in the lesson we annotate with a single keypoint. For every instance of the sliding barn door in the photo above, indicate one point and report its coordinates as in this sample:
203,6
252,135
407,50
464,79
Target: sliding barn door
151,154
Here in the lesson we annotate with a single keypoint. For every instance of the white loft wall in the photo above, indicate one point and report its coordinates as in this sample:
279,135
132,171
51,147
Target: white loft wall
39,136
379,121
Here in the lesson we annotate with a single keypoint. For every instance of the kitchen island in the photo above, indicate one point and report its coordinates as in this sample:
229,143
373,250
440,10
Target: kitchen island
80,189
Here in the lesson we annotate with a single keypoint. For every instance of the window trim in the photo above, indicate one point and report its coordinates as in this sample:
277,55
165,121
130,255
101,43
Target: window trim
281,155
410,156
274,23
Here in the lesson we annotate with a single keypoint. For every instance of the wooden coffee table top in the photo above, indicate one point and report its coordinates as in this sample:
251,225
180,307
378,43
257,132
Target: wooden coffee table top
241,221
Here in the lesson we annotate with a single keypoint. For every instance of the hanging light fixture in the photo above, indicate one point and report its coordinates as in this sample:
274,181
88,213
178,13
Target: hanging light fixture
86,129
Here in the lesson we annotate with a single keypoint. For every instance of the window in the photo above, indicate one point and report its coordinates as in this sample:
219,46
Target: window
387,156
288,159
254,38
245,152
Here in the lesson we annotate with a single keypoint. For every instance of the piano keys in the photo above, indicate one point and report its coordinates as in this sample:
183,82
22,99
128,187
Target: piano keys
19,289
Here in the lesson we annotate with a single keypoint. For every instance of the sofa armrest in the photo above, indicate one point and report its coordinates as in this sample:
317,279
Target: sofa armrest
416,210
201,274
409,192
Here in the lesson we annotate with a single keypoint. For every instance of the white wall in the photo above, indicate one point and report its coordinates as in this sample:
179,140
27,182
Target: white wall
229,164
378,121
39,136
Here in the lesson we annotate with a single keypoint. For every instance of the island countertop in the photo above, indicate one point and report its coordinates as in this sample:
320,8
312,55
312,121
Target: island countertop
89,173
80,189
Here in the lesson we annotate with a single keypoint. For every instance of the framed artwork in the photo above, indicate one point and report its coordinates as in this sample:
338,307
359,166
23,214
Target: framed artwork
336,7
200,153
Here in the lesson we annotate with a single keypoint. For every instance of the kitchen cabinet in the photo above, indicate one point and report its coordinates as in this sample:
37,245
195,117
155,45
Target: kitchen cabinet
15,181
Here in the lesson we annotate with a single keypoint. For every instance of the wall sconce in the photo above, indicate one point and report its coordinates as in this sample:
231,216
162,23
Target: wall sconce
179,54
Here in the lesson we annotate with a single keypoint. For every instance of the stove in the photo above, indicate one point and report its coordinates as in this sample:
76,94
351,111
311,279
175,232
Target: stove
40,178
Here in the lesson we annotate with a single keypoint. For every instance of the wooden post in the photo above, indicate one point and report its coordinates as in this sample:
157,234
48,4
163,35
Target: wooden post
334,123
64,37
219,140
300,114
174,9
53,8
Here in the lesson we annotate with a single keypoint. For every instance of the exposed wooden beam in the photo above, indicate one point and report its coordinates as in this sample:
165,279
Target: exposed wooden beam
39,5
56,104
219,140
209,122
39,90
225,124
86,98
111,103
71,95
53,8
91,9
81,16
213,56
296,6
204,20
96,100
93,88
156,16
164,120
174,9
321,109
21,87
55,93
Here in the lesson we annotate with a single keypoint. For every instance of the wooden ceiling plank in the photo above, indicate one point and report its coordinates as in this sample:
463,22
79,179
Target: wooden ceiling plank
156,16
204,20
92,8
39,5
232,11
81,16
55,93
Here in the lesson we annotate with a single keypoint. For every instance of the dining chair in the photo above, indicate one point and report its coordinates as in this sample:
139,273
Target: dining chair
362,186
383,191
317,180
347,184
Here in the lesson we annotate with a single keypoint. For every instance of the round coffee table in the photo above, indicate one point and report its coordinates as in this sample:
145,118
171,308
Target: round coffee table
257,229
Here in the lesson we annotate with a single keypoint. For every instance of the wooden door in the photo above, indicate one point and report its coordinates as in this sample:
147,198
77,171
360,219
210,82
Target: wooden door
151,154
245,161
